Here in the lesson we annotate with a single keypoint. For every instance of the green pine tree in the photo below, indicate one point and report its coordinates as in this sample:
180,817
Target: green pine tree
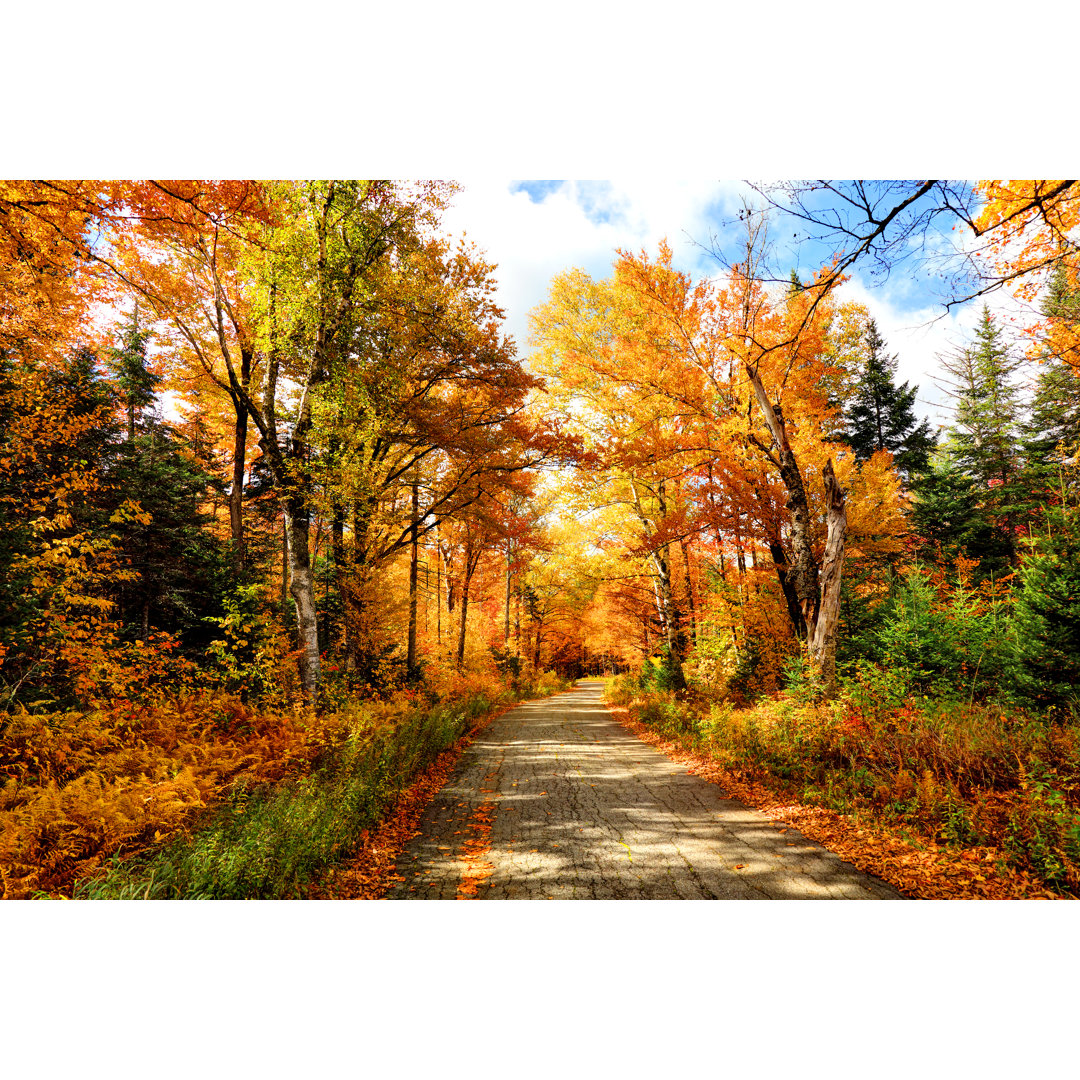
950,517
987,406
986,426
183,568
127,362
880,415
1050,436
1046,614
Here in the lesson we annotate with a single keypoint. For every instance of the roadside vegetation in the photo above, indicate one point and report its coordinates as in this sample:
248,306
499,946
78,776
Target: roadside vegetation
206,797
941,730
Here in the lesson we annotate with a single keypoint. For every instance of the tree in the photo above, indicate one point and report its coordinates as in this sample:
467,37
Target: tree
175,246
597,342
134,378
986,420
182,568
880,415
56,423
1051,432
987,408
666,374
1046,614
950,516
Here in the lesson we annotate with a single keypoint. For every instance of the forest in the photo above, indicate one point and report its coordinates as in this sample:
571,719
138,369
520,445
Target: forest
286,515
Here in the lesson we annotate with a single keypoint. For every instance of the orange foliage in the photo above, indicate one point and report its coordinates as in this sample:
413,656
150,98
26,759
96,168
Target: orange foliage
1031,226
79,787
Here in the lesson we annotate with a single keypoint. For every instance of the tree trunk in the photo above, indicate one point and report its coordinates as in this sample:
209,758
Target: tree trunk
517,619
669,617
302,590
823,641
284,563
506,619
410,659
341,577
236,494
466,581
803,572
794,611
689,594
240,434
817,591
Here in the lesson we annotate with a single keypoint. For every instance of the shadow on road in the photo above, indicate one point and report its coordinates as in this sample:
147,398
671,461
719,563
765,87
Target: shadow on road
584,810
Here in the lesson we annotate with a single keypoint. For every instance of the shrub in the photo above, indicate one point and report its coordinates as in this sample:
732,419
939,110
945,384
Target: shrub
935,638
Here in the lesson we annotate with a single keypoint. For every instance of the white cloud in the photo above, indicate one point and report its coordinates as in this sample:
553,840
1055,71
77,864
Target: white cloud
579,224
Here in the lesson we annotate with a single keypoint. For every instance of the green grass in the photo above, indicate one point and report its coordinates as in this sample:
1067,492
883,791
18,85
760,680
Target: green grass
269,843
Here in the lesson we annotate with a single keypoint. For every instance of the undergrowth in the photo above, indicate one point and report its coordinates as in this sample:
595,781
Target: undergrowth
206,796
953,772
266,843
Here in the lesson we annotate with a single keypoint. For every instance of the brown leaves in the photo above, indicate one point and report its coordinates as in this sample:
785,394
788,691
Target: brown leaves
929,872
477,868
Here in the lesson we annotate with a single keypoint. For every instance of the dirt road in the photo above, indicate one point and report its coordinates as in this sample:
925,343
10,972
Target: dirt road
557,800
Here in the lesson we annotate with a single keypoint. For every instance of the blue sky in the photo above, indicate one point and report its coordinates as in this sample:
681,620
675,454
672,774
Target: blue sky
534,229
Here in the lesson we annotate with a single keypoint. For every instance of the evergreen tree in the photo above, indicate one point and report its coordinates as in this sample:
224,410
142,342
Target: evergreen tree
127,362
881,415
987,406
986,429
183,568
950,516
181,565
1046,614
1051,434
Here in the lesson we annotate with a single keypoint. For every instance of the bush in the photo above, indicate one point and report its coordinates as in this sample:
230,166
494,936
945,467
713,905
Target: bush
951,772
802,680
662,673
936,639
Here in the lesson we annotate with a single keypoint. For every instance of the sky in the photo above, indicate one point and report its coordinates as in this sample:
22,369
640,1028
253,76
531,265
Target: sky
535,229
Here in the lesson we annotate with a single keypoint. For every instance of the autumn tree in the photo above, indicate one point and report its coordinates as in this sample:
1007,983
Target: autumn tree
594,341
180,247
429,398
558,585
709,399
